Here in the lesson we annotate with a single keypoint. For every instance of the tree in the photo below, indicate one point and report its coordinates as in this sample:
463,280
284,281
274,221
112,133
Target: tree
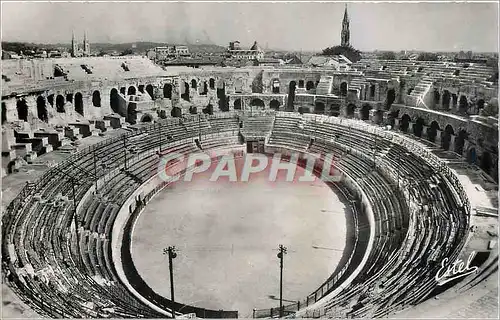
427,56
127,52
349,52
387,55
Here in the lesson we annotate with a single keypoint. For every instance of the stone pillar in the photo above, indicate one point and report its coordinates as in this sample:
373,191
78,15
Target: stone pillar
357,113
372,115
231,103
424,131
396,123
11,105
465,148
377,92
438,137
410,127
452,142
385,117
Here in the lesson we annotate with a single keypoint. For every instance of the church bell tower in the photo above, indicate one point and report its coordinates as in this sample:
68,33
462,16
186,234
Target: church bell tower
345,35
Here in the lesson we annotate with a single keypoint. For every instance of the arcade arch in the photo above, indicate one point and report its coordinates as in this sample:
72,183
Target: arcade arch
96,99
113,101
60,104
22,109
79,103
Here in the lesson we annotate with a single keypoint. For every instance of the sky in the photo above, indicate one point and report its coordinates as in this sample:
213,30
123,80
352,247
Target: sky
288,26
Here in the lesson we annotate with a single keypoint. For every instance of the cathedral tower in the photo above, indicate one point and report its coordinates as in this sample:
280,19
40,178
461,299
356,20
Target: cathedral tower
74,45
345,35
86,45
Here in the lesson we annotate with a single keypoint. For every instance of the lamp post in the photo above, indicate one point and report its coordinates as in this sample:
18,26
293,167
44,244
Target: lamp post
171,255
282,251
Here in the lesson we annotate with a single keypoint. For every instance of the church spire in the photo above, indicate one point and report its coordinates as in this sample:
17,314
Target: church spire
345,35
74,46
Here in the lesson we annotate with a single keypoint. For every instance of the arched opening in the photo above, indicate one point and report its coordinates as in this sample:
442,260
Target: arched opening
309,85
365,112
69,97
301,83
471,156
96,99
211,83
432,131
113,100
4,112
405,123
131,91
50,100
237,104
274,105
463,104
446,137
185,91
391,97
205,89
60,104
454,100
238,86
418,127
335,110
276,86
209,109
176,112
194,85
486,162
257,103
162,114
123,90
221,95
350,110
291,94
141,88
41,109
146,118
392,118
167,91
343,89
193,110
22,110
303,110
132,113
79,103
372,91
319,107
437,96
480,105
446,100
150,91
460,141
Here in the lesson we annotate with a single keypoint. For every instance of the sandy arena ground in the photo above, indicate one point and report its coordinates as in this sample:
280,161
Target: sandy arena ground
227,234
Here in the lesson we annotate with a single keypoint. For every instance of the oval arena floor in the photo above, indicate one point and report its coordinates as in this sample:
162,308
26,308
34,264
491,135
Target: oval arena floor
229,232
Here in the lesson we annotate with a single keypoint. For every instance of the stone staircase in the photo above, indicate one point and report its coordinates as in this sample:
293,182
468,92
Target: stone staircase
325,85
357,84
417,96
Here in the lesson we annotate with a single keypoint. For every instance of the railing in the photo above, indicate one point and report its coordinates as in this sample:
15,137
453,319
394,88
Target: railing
331,283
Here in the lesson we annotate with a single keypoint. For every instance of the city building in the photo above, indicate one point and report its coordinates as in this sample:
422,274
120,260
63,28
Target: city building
235,51
76,50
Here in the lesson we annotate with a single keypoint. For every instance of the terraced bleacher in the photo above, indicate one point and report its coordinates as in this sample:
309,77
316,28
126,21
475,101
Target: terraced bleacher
57,257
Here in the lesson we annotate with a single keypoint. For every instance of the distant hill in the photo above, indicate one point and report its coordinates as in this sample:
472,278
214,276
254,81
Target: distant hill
136,47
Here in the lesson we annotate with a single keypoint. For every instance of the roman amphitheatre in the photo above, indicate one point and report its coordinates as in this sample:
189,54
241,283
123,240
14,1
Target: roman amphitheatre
86,216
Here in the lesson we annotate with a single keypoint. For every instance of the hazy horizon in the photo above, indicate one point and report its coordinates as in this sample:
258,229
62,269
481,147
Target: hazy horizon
285,26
